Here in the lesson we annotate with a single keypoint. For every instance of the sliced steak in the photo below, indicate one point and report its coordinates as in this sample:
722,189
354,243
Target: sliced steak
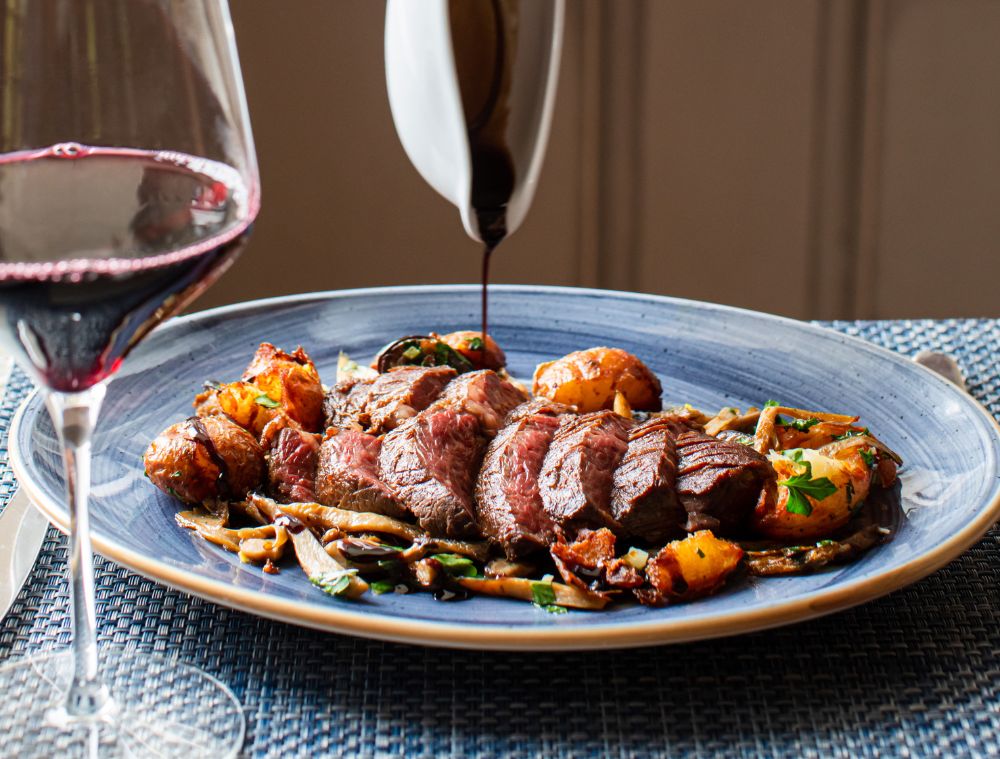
402,392
291,466
380,404
509,506
537,406
575,480
348,475
430,462
485,395
345,404
719,482
643,496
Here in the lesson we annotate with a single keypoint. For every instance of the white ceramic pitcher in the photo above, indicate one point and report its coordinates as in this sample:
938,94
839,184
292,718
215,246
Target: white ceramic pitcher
426,99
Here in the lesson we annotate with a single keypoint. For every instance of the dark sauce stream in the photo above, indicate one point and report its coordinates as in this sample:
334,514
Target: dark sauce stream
484,41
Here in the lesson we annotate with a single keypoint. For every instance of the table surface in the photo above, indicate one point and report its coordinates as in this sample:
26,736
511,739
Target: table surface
912,674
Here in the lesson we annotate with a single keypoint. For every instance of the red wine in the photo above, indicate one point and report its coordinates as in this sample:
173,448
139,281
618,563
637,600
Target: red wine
98,246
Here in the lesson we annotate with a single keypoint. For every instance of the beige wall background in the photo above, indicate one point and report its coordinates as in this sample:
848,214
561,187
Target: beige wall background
816,158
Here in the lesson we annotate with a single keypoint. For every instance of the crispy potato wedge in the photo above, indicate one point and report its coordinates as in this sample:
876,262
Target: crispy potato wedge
291,380
693,567
203,459
814,501
589,380
244,403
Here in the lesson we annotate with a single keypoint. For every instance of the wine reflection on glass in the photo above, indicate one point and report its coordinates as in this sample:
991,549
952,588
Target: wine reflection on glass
128,184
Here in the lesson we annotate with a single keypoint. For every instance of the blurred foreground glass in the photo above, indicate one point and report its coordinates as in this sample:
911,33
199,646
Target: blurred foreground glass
128,184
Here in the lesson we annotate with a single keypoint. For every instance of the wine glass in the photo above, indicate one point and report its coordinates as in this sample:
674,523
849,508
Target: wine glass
128,183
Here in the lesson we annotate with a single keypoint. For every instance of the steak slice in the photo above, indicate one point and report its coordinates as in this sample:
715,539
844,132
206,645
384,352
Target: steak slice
430,462
345,404
401,393
380,404
484,395
537,406
509,506
348,475
643,496
291,466
575,480
719,482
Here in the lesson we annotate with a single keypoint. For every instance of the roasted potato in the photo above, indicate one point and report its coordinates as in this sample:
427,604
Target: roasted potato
291,380
589,380
244,403
817,493
691,568
483,354
205,458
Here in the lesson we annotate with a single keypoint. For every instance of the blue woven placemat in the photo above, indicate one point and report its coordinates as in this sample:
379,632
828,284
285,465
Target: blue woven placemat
913,674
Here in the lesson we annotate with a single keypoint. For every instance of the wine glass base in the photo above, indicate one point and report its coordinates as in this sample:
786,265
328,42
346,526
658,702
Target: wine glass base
158,708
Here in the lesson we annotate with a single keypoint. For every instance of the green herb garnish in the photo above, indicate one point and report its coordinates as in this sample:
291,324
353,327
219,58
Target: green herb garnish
868,456
542,593
412,353
334,583
476,344
381,587
266,401
771,403
701,554
174,494
176,474
802,485
853,433
455,565
802,425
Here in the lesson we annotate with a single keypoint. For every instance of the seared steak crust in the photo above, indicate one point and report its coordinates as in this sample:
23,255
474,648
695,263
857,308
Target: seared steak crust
720,481
575,480
430,462
509,506
344,406
383,403
348,475
291,466
643,496
484,395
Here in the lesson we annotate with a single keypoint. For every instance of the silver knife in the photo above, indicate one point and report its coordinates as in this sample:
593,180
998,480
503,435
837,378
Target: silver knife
22,529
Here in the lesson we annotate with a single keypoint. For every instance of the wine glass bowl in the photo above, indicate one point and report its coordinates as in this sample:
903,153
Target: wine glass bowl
128,184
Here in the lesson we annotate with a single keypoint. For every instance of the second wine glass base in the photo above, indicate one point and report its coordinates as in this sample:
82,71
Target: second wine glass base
158,708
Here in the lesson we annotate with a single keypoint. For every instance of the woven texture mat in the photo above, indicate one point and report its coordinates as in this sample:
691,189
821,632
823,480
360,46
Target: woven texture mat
914,674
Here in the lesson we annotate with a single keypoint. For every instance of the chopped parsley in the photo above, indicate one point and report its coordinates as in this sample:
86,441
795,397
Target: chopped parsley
266,401
853,433
544,597
334,583
868,456
542,593
174,494
476,344
412,353
455,565
802,486
381,587
802,425
176,474
771,403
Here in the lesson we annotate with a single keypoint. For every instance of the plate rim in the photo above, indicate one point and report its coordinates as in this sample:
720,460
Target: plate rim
356,621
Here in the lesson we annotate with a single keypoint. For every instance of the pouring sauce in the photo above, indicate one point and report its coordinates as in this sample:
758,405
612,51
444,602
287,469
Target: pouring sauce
484,37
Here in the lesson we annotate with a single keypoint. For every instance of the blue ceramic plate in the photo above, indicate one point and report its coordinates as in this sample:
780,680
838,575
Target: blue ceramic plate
707,355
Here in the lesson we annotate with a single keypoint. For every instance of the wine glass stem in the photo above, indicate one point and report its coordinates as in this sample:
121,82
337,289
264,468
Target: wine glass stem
74,416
